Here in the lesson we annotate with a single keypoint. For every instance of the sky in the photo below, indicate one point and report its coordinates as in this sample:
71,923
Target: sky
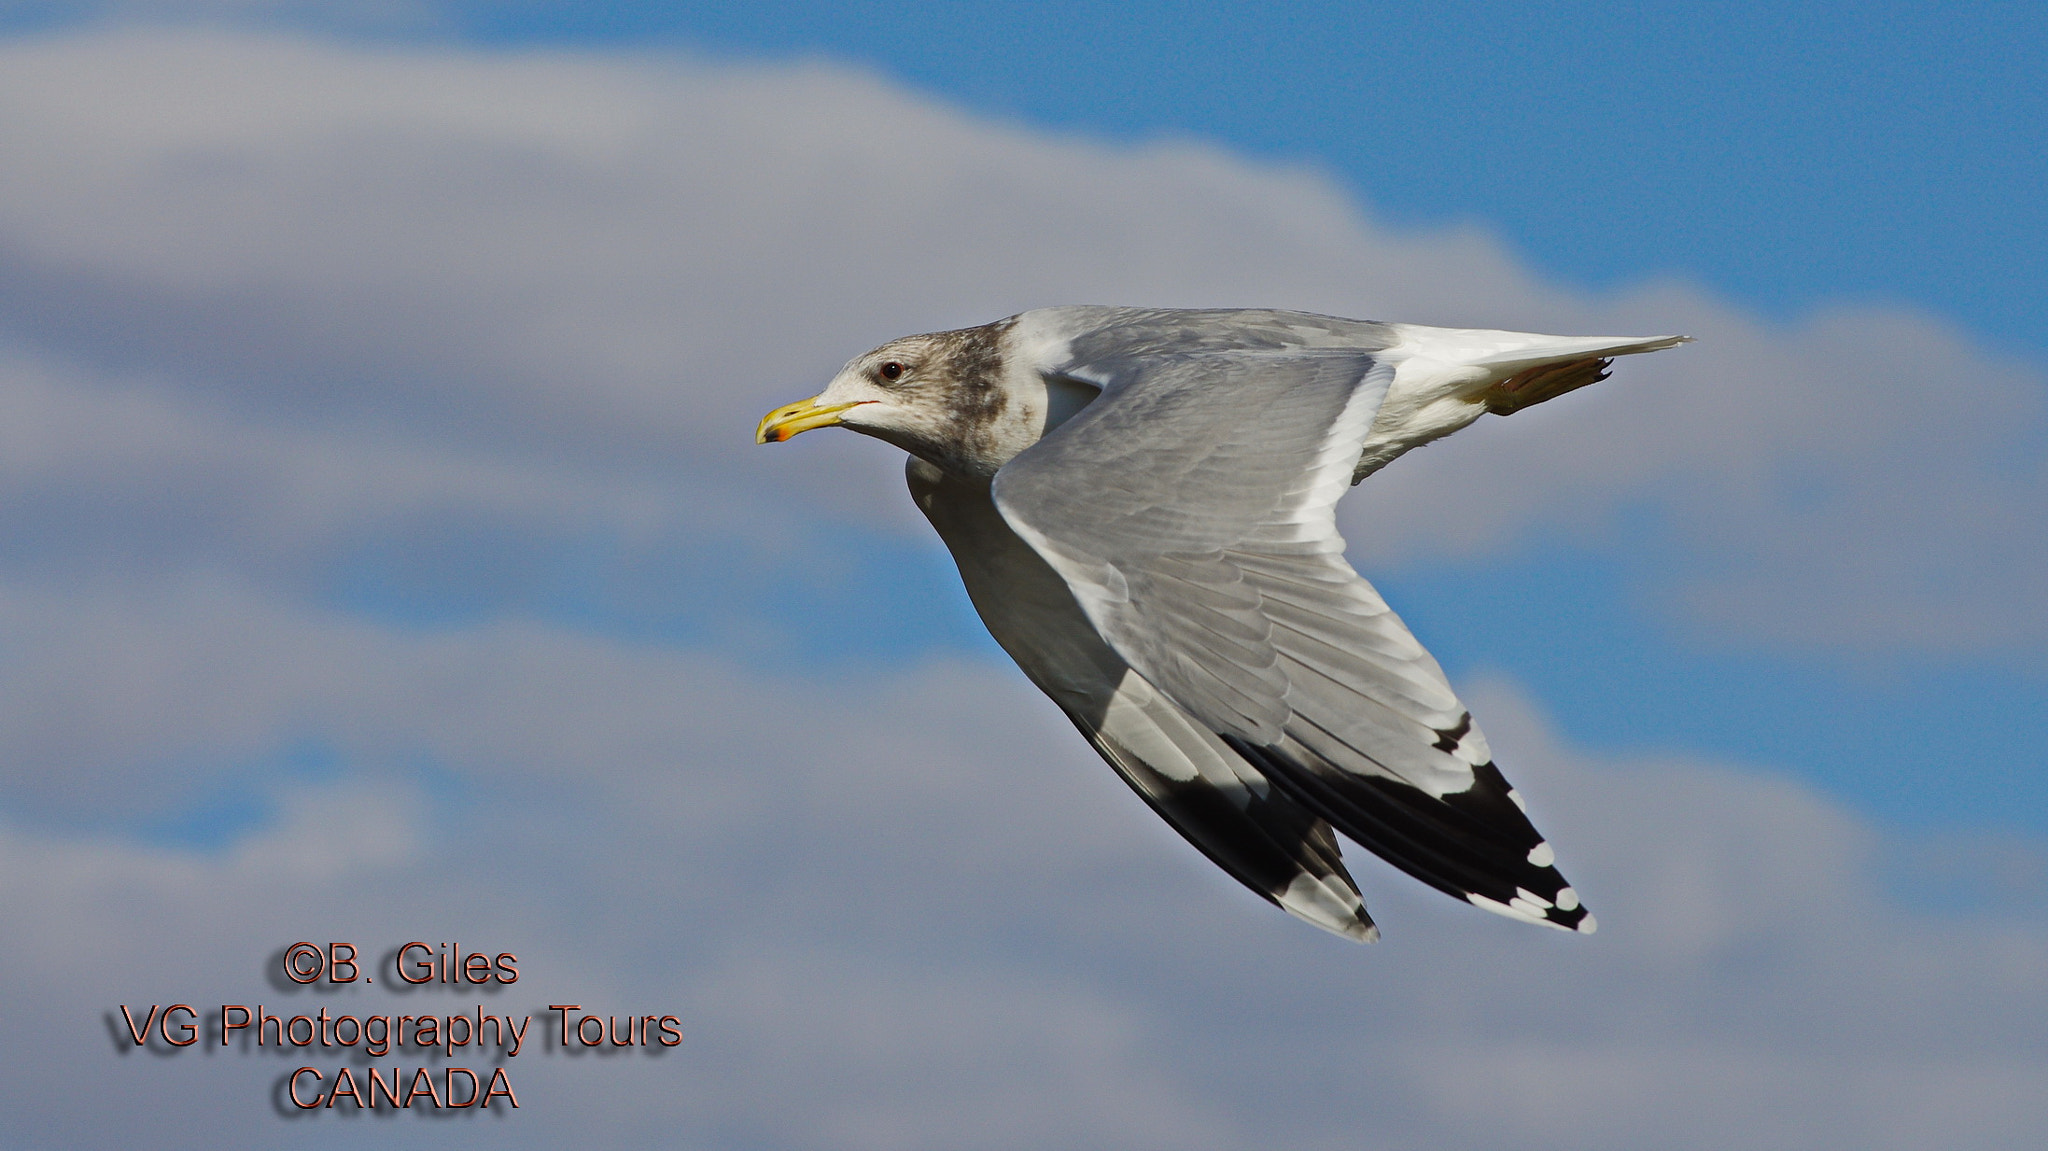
383,555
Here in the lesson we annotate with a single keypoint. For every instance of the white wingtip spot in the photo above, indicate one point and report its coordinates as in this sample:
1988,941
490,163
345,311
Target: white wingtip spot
1517,797
1541,855
1517,909
1567,899
1588,925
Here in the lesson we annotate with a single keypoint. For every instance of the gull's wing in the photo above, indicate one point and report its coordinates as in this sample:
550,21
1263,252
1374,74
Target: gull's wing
1190,510
1207,792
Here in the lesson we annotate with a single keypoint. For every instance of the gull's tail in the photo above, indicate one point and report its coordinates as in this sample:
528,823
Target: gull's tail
1447,377
1549,366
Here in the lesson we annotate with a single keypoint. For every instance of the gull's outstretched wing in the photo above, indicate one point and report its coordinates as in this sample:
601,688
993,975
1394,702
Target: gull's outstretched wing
1190,511
1207,792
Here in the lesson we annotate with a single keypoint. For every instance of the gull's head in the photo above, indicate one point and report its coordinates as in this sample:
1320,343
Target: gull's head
893,390
947,397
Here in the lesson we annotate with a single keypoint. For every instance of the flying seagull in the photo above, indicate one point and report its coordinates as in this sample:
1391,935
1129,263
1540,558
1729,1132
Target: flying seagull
1142,505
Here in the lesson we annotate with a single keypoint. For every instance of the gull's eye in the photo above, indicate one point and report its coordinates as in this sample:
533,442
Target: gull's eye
891,370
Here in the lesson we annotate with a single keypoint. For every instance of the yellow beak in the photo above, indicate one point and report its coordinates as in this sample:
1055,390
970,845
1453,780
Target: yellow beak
801,416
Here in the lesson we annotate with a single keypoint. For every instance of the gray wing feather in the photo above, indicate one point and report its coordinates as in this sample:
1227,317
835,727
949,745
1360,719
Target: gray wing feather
1205,790
1191,511
1145,499
1224,806
1098,335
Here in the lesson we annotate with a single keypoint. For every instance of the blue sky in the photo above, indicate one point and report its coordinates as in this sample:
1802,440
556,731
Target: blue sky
382,550
1789,157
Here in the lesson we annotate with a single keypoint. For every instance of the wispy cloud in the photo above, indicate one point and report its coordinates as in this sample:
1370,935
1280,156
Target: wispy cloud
585,271
919,915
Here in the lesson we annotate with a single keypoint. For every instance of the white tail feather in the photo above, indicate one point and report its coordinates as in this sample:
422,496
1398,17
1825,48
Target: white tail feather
1447,377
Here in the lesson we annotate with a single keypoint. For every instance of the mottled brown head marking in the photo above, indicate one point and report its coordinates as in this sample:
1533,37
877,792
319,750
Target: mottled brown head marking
954,377
974,362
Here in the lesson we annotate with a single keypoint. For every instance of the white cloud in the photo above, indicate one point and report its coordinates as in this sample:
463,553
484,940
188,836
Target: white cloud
602,269
918,914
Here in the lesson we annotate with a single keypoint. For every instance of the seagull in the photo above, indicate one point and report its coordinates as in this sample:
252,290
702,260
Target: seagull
1142,505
